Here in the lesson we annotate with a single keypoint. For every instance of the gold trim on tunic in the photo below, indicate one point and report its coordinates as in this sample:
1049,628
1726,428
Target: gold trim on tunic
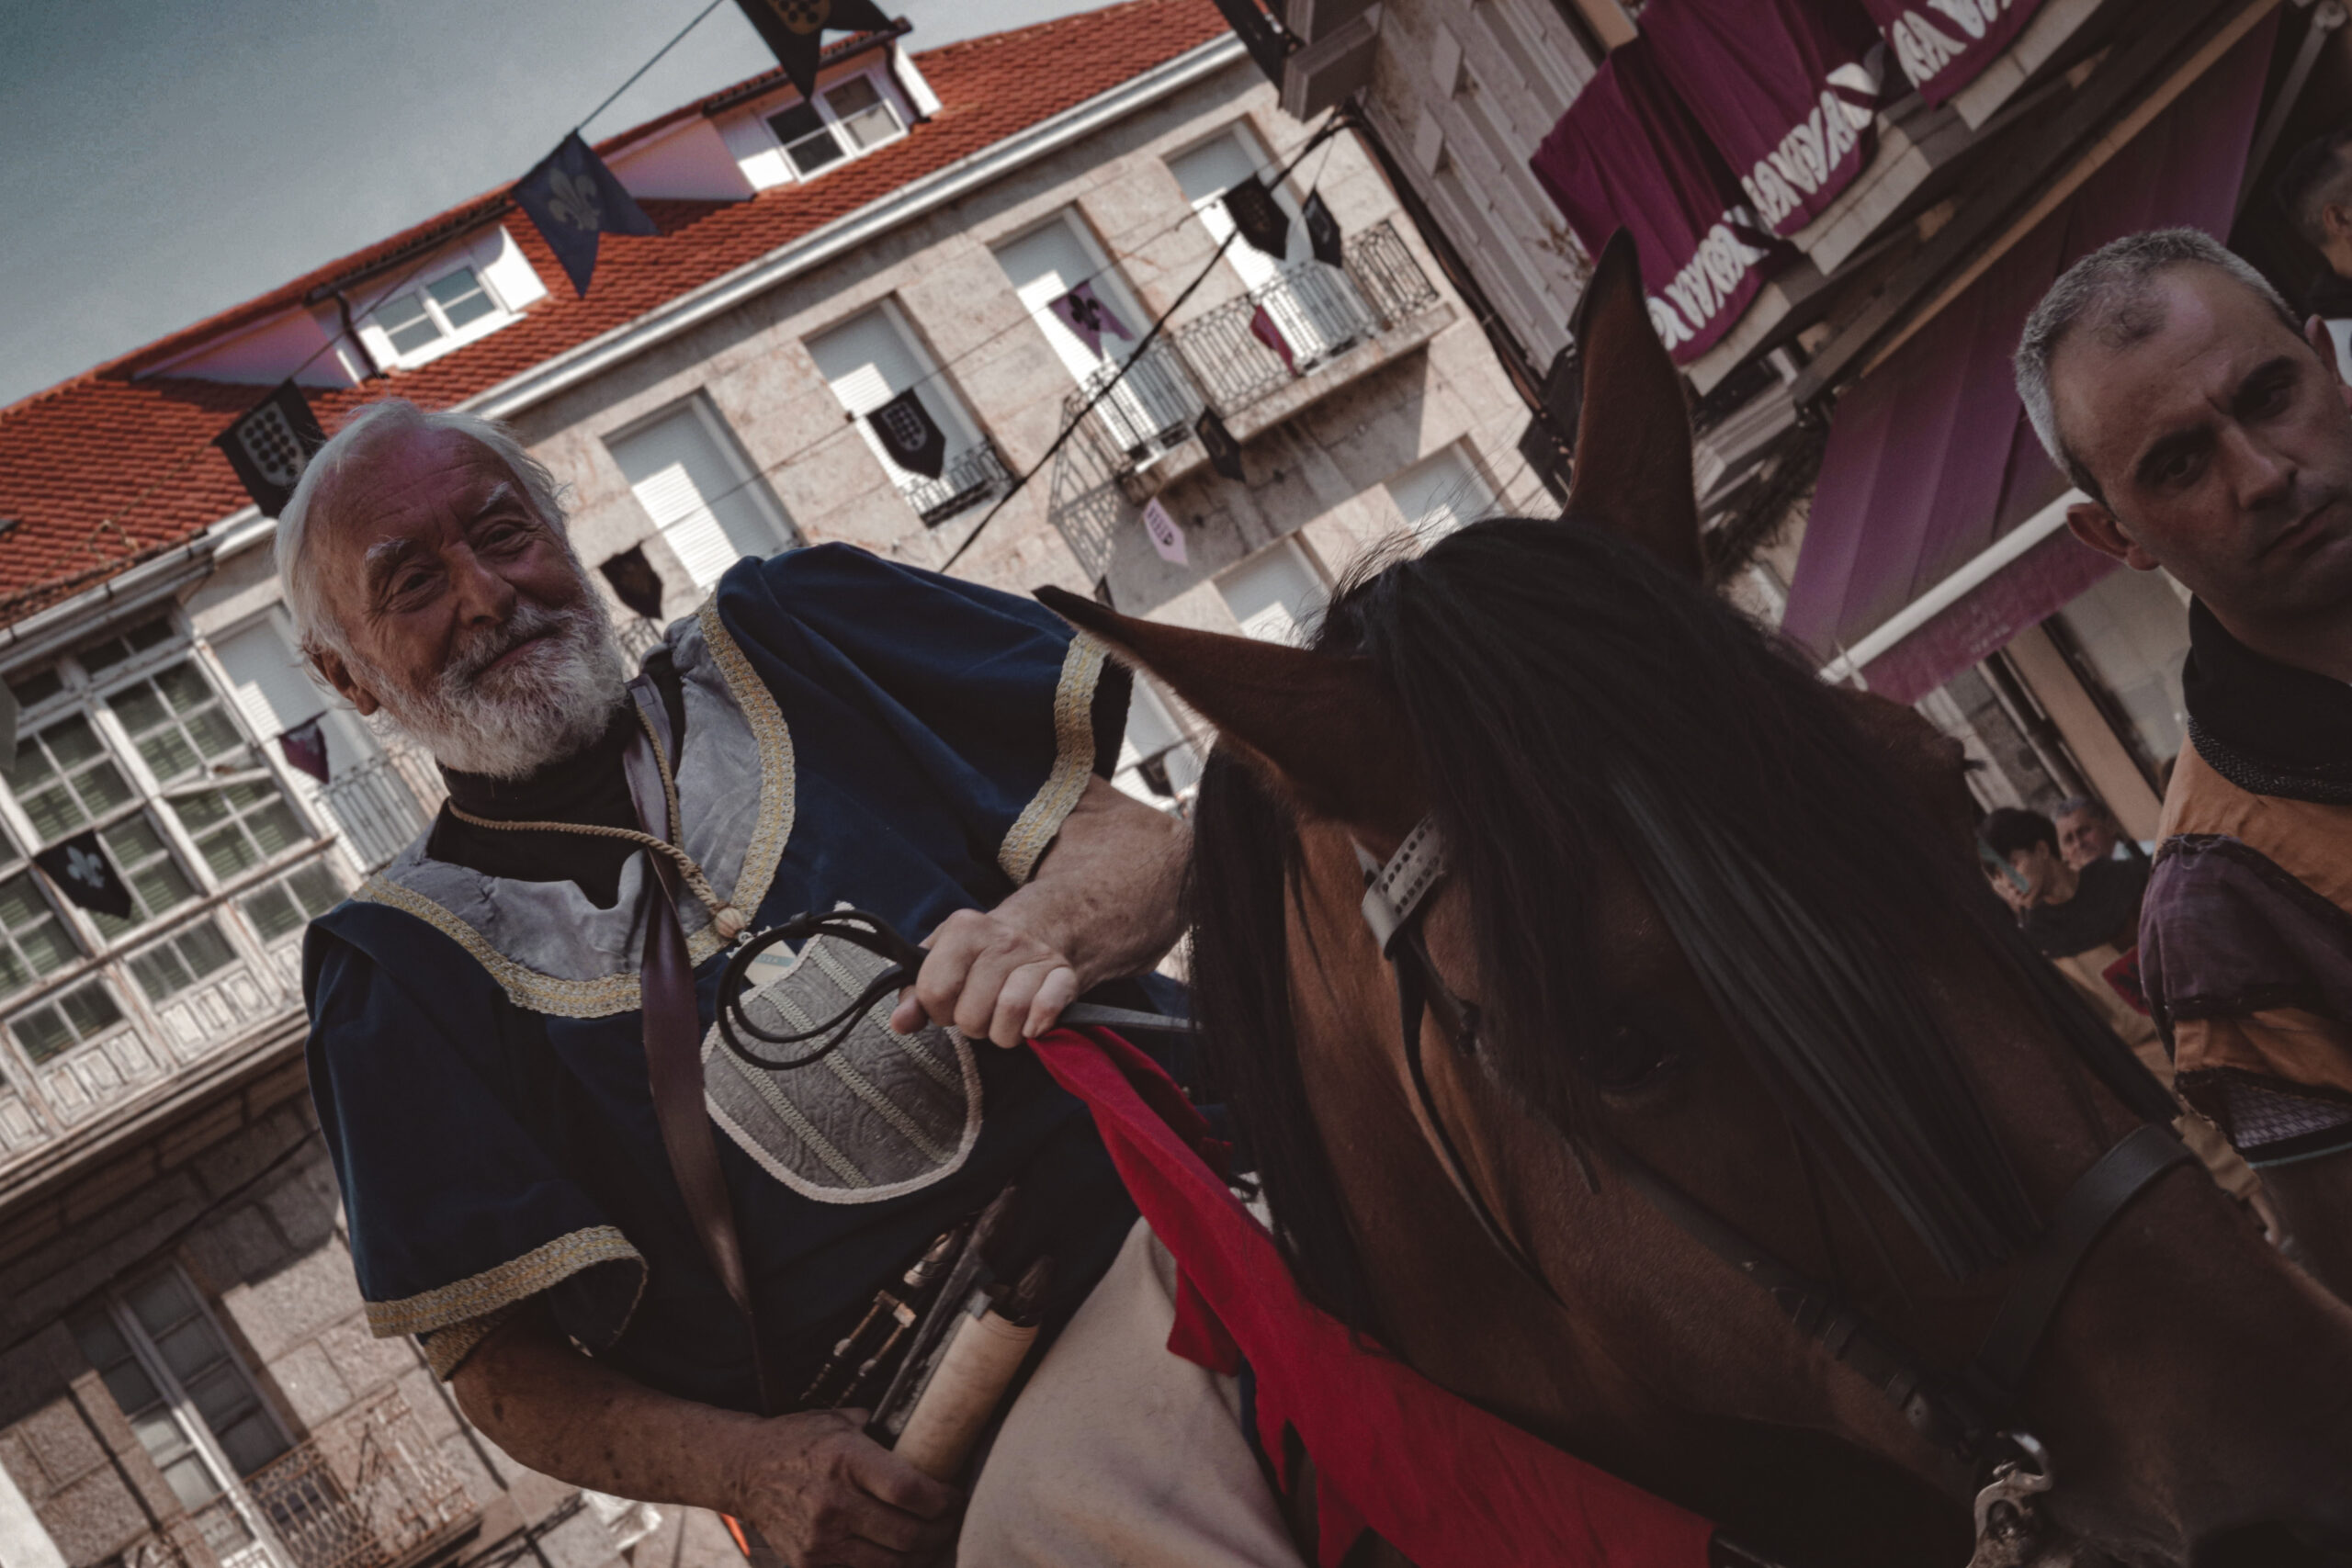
505,1284
1025,844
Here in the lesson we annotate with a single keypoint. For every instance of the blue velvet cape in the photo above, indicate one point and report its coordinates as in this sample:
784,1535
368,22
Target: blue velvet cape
490,1122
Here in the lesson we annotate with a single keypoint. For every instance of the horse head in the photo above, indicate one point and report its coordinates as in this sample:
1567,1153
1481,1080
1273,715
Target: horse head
1738,1119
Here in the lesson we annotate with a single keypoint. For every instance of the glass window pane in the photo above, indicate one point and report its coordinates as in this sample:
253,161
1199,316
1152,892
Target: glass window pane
872,128
72,741
416,328
47,947
161,1301
127,1381
205,949
184,688
31,766
159,1432
201,811
90,1008
54,812
815,151
191,1481
796,122
228,852
104,655
20,903
271,913
101,788
216,737
149,634
275,829
854,96
190,1350
103,1344
14,972
168,754
44,1034
134,841
462,298
139,707
316,888
160,973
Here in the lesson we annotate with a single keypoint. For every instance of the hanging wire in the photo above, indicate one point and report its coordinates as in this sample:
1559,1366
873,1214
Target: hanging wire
648,65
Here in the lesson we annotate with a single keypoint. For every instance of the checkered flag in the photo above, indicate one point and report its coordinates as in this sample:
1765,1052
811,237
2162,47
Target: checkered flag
794,30
270,445
910,436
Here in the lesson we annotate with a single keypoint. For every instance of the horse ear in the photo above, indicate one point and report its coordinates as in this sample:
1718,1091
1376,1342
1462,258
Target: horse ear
1633,457
1322,731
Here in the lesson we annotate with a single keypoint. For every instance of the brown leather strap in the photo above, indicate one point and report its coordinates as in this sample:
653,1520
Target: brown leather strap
673,1063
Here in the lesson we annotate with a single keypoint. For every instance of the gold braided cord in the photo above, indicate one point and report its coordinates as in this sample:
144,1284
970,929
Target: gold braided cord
723,915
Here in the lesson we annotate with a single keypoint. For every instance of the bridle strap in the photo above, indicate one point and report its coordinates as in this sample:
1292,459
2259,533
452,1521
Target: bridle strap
1959,1419
2090,1205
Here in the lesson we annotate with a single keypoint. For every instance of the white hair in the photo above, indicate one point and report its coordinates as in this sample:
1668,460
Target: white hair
501,723
2109,290
368,427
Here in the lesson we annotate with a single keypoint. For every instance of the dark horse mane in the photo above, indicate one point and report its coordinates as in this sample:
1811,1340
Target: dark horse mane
1562,690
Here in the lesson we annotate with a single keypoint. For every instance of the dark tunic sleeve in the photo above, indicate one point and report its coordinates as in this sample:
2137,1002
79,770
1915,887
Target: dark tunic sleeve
997,700
458,1209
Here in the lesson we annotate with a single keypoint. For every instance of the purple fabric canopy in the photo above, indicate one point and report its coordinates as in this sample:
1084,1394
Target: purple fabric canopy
1930,458
1627,154
1780,87
1944,45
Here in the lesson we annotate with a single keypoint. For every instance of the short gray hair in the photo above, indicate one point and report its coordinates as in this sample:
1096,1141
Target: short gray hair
2109,290
2074,803
370,426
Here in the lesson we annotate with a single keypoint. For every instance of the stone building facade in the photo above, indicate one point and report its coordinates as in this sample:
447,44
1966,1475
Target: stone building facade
187,1376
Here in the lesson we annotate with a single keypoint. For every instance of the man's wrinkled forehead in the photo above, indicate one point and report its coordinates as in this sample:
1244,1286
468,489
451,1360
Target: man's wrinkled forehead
414,481
2145,362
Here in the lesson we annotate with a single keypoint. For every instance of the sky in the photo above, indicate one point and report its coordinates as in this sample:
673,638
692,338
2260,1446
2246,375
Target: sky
161,161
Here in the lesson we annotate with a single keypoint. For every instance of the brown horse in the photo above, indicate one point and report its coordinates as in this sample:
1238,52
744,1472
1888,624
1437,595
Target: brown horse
1710,929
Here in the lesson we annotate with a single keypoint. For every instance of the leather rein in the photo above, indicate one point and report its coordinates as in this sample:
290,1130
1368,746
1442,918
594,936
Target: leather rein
1960,1414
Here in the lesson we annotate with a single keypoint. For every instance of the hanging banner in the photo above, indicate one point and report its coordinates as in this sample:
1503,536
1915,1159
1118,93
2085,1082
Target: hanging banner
910,436
1265,41
1322,231
1787,90
81,871
1263,328
1166,537
571,198
1264,226
794,31
1628,155
1944,45
305,747
1083,312
271,444
635,582
1225,452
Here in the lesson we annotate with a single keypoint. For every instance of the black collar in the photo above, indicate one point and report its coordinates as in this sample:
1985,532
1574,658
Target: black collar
2264,726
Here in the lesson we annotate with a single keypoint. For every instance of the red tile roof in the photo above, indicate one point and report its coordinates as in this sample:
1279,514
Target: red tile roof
105,471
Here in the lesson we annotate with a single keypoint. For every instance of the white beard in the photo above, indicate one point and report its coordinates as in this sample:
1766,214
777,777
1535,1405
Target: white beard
505,724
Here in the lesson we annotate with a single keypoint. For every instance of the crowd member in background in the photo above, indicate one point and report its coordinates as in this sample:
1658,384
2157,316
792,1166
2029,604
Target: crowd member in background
2214,439
2086,920
2315,192
2086,831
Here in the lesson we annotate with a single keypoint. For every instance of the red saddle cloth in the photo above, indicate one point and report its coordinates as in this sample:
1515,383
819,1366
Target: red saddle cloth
1441,1480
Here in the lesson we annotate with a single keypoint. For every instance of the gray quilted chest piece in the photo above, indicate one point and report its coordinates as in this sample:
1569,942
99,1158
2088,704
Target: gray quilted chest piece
884,1114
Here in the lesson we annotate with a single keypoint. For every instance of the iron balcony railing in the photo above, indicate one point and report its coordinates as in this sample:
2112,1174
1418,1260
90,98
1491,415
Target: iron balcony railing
1383,269
971,476
384,803
1149,408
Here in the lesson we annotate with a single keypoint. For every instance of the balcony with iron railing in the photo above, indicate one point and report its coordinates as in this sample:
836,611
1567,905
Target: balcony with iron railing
976,473
366,1489
1256,360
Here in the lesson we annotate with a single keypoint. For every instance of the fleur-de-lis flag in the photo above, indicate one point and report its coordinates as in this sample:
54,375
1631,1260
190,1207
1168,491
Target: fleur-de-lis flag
81,871
794,30
1083,312
270,445
571,198
910,436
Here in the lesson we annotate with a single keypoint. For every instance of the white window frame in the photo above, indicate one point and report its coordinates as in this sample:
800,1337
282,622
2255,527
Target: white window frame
379,337
749,480
266,1550
886,94
109,960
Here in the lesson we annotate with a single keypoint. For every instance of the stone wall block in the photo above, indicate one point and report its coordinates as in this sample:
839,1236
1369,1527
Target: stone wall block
38,1370
59,1442
243,1245
240,1158
580,1542
479,1484
201,1132
108,1185
94,1517
294,1303
20,1232
423,1393
305,1204
364,1362
307,1378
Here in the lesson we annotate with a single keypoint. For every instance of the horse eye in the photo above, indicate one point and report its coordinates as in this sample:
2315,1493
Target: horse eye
1626,1058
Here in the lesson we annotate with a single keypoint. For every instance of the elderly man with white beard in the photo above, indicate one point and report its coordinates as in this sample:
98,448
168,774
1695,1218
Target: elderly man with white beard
829,730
